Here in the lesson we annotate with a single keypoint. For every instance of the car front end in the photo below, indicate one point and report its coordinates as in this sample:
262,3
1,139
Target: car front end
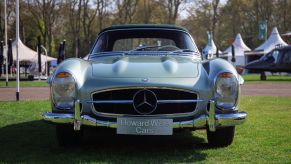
147,93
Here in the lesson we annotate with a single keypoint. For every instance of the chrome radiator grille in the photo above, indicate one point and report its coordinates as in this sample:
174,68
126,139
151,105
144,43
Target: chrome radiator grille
148,101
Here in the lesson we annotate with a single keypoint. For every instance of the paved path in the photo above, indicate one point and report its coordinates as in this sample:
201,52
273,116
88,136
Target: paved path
266,89
250,89
26,93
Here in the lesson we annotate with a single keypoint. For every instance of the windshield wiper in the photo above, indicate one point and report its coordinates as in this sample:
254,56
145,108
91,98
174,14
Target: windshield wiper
101,54
185,52
181,51
142,47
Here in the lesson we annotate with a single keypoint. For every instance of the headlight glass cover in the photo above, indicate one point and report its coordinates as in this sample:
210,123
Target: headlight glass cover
63,90
226,91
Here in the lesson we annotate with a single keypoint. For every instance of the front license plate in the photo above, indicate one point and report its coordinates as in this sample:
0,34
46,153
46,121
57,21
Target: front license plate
144,126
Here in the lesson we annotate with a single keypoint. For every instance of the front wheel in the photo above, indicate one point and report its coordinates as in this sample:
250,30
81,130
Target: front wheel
221,137
67,136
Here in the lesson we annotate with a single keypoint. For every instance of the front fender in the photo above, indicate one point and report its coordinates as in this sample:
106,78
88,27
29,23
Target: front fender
78,68
217,66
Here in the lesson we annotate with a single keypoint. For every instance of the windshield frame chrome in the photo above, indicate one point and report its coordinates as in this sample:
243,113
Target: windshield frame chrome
102,33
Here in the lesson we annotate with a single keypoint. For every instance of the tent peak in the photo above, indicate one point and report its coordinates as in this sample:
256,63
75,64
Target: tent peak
275,31
238,36
239,46
273,41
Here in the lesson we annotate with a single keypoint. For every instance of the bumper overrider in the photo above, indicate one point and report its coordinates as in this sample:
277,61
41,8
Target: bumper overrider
211,120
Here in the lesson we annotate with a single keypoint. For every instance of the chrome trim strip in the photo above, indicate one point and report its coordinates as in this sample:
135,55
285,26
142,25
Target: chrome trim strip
210,120
131,101
227,119
211,116
111,102
178,101
77,116
145,28
221,120
58,117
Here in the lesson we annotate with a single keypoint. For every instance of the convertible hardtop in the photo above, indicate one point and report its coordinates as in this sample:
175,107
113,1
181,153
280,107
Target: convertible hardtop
141,26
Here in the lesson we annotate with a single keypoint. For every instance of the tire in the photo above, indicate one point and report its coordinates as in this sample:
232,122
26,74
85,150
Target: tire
221,137
66,135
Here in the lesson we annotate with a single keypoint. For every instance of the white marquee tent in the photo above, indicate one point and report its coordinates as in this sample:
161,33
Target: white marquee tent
239,48
28,55
271,43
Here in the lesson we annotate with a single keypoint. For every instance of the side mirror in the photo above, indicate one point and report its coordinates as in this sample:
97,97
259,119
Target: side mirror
86,57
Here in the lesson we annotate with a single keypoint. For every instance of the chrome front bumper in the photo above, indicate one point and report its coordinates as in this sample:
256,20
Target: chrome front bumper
210,120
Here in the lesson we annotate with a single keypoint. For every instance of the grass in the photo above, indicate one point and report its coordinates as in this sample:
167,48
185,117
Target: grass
250,78
264,138
270,78
35,83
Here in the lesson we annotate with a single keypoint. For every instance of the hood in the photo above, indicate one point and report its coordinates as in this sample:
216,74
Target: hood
145,66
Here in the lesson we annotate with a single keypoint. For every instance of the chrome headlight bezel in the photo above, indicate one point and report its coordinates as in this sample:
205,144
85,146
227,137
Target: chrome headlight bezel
226,93
63,90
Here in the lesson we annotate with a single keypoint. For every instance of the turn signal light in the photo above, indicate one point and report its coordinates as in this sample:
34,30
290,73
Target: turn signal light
63,75
225,75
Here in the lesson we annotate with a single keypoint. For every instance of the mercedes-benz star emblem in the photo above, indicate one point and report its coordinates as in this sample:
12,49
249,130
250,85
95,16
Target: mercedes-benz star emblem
145,101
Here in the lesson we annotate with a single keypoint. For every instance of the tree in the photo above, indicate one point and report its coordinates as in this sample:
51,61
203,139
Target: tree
89,16
74,8
101,6
126,10
79,21
172,8
45,14
215,15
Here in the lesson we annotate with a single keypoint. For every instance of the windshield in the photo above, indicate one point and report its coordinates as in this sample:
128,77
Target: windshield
271,57
134,40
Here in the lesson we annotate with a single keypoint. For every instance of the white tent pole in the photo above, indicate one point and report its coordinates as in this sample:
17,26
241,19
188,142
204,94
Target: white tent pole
39,73
46,67
6,46
17,49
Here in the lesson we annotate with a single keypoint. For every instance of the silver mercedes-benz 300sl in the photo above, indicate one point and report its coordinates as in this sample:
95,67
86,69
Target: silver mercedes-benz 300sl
145,80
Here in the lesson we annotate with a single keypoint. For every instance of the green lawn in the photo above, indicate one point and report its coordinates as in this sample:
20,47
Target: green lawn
270,78
35,83
264,138
248,78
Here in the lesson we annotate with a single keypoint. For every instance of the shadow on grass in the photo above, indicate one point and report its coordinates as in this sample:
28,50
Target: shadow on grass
35,142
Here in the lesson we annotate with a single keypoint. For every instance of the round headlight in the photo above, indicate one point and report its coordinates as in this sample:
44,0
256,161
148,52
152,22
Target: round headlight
63,90
226,91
